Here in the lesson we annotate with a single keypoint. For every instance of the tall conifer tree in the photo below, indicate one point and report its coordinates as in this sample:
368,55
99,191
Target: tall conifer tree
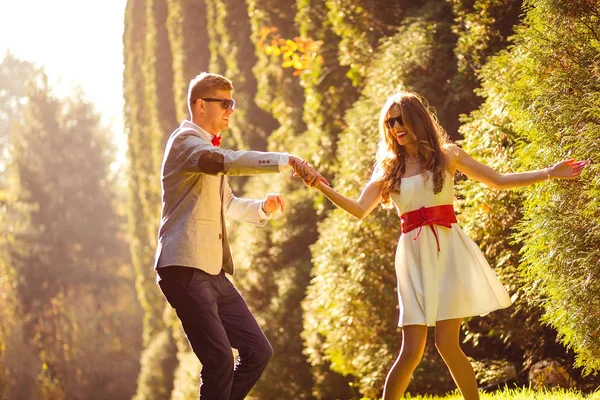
64,256
148,112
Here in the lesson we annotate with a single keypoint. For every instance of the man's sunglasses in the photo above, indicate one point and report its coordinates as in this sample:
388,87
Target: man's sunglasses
390,122
224,103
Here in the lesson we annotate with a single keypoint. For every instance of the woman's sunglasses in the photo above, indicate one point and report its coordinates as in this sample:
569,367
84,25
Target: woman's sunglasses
390,122
224,103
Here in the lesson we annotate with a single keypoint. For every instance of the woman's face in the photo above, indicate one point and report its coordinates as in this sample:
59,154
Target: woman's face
395,125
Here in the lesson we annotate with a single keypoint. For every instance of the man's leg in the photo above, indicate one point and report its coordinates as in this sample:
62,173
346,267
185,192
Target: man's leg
194,294
244,334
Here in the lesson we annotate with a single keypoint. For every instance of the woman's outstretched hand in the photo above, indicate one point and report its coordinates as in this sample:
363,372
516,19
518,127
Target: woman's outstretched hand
567,169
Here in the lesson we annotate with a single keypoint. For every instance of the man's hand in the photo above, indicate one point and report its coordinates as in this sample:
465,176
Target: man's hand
307,172
273,202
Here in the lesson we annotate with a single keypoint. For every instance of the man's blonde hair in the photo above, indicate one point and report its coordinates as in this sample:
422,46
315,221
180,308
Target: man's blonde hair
204,85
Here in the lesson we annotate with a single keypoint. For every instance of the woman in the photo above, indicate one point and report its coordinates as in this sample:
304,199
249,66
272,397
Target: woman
442,275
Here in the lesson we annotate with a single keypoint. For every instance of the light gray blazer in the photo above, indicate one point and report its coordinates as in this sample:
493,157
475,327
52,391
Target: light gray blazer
196,197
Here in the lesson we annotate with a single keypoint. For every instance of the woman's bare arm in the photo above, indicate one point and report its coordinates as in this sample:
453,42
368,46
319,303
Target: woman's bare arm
368,200
473,169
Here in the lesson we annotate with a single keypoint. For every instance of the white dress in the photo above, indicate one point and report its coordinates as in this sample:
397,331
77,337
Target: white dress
455,282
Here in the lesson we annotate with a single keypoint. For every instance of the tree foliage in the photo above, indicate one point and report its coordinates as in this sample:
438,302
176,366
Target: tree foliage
482,28
70,320
149,111
233,55
559,82
273,264
531,118
360,25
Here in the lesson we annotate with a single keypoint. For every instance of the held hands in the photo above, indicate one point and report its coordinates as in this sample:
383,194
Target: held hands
567,169
306,172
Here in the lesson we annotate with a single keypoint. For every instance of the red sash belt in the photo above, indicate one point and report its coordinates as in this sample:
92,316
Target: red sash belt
438,215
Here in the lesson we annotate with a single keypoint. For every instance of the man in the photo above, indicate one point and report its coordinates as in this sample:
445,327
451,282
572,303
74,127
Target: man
193,252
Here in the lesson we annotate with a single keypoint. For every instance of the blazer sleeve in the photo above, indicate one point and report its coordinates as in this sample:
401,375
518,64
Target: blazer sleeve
194,154
241,209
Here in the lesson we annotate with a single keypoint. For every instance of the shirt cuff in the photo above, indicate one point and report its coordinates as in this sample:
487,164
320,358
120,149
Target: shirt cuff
262,215
284,162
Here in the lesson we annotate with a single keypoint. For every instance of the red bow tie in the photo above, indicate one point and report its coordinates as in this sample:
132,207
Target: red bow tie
216,140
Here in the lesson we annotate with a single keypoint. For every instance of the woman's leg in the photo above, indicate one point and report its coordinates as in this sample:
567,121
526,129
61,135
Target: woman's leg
414,338
447,342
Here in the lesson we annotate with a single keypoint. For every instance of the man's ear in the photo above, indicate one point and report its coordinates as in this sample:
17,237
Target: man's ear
199,106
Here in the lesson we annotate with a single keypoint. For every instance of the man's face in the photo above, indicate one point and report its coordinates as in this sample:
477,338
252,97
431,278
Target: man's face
214,118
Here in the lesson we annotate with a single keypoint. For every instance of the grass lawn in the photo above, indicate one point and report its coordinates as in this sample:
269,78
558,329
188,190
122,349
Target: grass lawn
521,394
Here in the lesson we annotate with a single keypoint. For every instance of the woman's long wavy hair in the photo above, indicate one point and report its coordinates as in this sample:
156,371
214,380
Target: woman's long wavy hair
423,126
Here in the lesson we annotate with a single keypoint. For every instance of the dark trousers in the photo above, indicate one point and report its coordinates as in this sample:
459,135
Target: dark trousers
216,318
